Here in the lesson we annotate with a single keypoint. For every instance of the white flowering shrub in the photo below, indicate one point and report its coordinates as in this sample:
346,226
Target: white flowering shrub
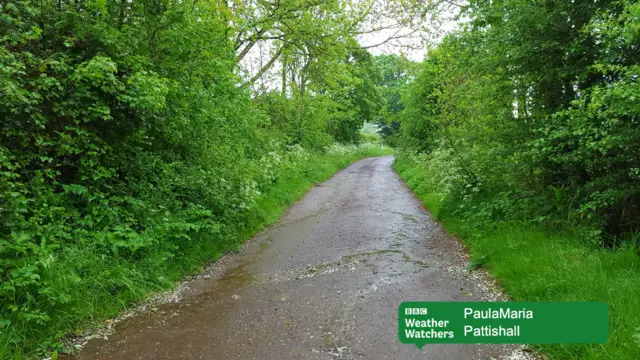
343,149
291,161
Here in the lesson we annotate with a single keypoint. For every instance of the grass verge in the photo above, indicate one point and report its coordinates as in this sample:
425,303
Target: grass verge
536,265
98,287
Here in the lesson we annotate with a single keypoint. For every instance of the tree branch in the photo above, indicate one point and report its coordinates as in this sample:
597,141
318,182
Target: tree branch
265,67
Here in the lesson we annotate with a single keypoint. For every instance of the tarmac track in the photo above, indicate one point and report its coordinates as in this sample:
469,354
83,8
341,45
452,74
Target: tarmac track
325,282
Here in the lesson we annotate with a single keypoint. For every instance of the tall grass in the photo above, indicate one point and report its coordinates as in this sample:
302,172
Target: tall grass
537,265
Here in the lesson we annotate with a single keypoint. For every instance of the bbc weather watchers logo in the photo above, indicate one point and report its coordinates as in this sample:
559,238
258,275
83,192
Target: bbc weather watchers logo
415,311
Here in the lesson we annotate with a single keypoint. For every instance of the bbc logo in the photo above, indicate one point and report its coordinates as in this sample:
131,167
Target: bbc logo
415,311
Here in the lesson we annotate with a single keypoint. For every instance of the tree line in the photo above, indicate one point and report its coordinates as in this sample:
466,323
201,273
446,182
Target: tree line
529,111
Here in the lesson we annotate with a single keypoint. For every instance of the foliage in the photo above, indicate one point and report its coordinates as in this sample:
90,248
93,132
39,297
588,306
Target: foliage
336,101
394,74
520,132
532,264
531,109
130,154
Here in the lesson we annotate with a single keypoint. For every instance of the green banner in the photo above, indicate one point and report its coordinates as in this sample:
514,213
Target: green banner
422,323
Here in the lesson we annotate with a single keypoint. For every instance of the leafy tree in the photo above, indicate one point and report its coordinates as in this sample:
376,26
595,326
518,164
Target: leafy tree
395,72
528,110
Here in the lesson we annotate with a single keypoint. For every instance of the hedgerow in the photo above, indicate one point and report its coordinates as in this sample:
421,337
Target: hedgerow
130,155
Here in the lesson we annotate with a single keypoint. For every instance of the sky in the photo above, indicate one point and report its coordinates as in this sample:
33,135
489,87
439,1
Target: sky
414,47
412,42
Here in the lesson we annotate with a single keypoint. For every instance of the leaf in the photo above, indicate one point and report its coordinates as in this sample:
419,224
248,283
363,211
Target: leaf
75,189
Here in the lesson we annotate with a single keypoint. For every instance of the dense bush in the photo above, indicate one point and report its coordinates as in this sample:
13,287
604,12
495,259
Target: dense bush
129,154
530,112
521,134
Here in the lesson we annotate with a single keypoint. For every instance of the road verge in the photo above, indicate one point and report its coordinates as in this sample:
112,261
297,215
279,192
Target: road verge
532,264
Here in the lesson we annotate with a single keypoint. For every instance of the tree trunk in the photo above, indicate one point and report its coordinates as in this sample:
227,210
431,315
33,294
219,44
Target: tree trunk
284,76
301,100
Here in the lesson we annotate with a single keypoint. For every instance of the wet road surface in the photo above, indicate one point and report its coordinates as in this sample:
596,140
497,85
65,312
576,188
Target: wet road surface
325,282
